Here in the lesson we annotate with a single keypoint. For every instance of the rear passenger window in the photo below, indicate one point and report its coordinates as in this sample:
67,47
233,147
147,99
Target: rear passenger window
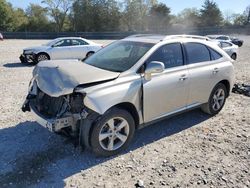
197,53
169,54
214,55
225,44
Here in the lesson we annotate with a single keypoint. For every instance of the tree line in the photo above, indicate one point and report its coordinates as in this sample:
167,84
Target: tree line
113,15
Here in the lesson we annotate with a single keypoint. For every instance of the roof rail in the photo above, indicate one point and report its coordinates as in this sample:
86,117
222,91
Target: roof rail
186,36
142,35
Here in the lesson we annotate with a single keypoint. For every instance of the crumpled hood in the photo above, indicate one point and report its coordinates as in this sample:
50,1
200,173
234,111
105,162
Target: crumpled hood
60,77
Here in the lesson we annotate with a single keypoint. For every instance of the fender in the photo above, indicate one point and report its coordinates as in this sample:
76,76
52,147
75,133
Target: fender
102,97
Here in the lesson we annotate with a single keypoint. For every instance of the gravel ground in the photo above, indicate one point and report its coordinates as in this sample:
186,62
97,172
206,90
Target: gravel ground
189,150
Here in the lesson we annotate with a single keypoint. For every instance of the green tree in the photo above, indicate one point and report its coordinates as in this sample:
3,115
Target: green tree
247,15
159,17
211,15
95,15
58,10
135,14
239,19
106,15
189,17
81,15
228,17
19,20
37,18
6,14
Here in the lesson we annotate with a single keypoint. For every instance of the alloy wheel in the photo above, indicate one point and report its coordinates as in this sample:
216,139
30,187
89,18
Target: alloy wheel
114,133
42,57
218,99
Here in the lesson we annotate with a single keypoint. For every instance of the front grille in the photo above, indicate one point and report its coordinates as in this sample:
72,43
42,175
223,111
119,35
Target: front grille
48,106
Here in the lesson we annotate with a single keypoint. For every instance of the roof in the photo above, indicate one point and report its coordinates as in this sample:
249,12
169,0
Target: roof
69,38
151,38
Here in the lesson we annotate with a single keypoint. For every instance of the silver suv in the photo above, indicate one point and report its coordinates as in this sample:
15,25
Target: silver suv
127,85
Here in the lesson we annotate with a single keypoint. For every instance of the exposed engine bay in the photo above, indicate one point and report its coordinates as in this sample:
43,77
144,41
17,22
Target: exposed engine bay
52,107
63,113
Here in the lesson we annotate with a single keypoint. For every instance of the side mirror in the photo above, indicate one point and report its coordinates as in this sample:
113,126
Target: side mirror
153,67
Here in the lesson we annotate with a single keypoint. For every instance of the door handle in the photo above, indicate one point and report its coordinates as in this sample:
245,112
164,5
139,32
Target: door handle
183,77
216,70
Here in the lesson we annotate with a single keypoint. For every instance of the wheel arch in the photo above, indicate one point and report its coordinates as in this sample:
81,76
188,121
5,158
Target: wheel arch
226,83
89,52
39,53
234,53
130,108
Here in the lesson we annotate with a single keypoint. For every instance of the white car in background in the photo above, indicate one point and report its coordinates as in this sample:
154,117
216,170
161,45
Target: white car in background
1,36
230,48
60,48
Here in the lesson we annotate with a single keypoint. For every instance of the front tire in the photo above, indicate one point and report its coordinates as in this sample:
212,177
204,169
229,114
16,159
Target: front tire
42,57
216,100
112,133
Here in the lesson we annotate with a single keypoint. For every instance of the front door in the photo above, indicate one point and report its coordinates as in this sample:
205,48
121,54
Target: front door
62,50
166,92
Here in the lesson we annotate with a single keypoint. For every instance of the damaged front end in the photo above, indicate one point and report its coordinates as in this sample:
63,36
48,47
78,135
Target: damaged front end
28,57
58,114
57,104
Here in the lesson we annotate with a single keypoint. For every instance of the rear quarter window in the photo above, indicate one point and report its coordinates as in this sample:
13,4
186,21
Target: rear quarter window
214,54
225,44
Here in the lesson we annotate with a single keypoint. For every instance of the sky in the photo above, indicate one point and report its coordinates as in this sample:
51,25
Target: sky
235,6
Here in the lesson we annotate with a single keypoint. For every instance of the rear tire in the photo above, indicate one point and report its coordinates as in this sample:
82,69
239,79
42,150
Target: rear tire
216,100
234,56
89,54
112,133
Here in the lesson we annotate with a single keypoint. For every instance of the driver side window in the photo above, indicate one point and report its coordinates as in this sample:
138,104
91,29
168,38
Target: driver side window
169,54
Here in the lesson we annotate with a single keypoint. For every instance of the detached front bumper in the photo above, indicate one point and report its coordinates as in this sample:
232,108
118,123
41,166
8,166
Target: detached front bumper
52,124
28,58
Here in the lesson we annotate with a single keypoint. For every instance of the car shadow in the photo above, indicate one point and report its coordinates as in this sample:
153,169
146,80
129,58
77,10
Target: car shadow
17,65
32,156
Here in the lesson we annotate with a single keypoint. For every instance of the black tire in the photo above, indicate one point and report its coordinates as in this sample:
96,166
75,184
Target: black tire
240,44
102,124
234,56
42,57
89,54
209,106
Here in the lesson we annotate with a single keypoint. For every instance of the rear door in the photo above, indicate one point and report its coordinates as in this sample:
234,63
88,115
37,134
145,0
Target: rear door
79,48
203,66
166,92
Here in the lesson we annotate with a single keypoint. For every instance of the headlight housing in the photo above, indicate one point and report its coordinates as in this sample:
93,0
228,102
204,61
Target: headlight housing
28,51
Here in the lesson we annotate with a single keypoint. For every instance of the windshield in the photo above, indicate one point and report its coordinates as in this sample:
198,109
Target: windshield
119,56
50,43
